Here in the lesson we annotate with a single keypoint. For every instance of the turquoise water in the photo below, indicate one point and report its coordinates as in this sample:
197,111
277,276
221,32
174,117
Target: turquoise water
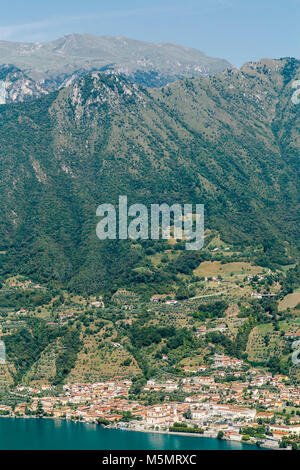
50,434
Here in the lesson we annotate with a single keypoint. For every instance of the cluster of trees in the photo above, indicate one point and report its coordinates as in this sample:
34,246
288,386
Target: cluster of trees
26,346
186,262
183,427
291,280
24,298
211,310
70,346
235,347
259,432
145,336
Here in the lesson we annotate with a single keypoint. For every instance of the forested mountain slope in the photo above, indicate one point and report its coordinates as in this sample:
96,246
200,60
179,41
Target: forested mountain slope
229,141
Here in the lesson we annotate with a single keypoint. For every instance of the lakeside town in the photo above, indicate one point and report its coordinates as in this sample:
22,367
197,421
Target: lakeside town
215,358
253,408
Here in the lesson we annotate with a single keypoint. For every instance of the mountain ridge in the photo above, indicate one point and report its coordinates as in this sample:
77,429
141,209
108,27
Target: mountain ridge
51,64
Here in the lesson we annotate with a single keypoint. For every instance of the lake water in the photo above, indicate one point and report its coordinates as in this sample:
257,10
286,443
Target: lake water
50,434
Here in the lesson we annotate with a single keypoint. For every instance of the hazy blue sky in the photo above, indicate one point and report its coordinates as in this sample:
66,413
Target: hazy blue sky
238,30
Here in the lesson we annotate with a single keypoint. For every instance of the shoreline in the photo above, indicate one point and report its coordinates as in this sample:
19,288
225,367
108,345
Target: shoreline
189,434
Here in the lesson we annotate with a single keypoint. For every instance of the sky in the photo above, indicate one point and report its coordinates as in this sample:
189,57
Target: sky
236,30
